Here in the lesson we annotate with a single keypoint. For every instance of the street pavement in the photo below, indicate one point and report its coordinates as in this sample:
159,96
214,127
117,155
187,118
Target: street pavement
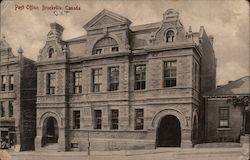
158,154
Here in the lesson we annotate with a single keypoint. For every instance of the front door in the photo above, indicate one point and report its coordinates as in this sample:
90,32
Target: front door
169,132
51,133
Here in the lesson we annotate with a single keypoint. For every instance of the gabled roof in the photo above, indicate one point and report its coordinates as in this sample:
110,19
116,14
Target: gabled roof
4,44
83,37
237,87
114,17
146,26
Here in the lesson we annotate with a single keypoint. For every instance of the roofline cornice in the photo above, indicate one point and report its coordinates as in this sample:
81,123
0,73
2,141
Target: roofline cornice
226,96
172,47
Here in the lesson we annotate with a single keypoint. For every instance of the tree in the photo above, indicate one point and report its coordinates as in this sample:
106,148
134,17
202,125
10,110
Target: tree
243,102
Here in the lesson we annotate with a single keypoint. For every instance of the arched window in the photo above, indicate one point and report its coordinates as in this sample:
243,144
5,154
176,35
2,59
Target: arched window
51,52
170,36
106,45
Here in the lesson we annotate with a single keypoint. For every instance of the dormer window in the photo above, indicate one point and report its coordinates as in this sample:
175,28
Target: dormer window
51,52
170,36
105,45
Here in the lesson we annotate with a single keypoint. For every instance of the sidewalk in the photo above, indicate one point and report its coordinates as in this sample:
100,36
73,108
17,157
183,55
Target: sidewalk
185,151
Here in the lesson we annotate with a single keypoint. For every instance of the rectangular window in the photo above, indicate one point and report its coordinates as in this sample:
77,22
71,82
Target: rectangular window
3,83
2,109
51,83
97,79
115,49
98,119
139,119
98,51
77,77
11,113
170,74
223,117
76,119
113,78
114,119
11,82
140,77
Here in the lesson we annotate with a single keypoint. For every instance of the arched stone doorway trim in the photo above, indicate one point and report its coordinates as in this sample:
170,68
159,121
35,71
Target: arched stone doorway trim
169,111
195,115
46,115
195,125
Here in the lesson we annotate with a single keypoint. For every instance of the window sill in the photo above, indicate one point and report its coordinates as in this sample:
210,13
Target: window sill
170,87
223,129
76,94
140,90
113,90
11,91
7,119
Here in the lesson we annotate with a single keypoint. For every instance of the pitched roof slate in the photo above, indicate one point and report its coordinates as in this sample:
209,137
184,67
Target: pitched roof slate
238,87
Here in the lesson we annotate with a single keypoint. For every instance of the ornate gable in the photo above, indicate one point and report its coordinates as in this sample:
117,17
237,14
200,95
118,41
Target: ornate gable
106,19
5,49
171,29
55,48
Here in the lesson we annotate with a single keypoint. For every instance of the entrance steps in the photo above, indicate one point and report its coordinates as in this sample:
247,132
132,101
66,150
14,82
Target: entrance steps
51,147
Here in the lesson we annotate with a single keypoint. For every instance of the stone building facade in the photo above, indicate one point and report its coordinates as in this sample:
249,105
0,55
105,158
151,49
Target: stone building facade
17,99
122,86
228,111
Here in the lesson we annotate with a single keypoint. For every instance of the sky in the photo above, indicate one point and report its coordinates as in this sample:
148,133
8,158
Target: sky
227,20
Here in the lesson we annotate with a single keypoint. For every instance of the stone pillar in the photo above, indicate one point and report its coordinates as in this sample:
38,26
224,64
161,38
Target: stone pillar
124,118
38,143
62,140
18,139
87,116
105,117
38,139
245,142
186,141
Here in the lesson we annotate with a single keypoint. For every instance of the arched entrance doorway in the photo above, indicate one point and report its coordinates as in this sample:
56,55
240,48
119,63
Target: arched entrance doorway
247,126
169,132
50,130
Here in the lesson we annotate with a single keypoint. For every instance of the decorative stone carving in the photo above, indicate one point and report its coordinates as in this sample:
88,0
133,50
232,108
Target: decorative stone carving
104,21
170,111
106,42
51,114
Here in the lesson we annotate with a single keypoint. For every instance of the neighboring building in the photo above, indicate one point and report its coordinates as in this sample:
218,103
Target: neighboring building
227,111
17,99
121,86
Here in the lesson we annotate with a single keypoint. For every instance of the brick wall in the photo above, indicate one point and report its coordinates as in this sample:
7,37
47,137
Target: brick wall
214,132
